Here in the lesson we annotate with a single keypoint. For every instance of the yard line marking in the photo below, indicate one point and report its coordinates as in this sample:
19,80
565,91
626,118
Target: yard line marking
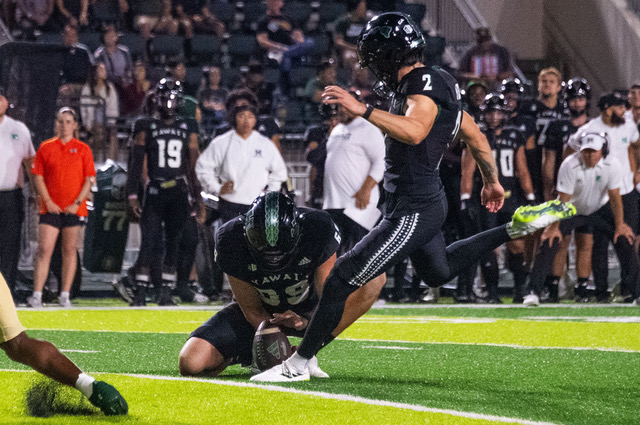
78,351
387,347
596,319
347,397
408,320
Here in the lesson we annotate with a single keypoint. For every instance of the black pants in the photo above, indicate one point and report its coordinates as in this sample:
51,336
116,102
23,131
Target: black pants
12,215
350,232
601,239
603,224
417,236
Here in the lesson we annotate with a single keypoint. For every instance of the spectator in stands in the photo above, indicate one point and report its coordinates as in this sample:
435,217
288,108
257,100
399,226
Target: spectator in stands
195,14
486,61
315,139
624,146
153,17
134,94
253,79
74,12
633,114
593,184
76,63
211,96
179,73
16,156
25,17
63,170
325,76
282,41
116,58
100,122
347,29
117,8
352,171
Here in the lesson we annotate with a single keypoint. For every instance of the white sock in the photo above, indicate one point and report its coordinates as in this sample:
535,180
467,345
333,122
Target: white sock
298,361
37,295
84,384
64,295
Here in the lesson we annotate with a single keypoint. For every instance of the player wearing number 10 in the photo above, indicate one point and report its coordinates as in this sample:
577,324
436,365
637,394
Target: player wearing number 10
170,145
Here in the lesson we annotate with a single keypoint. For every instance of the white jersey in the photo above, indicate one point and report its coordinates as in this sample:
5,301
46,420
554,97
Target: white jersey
15,146
589,187
620,137
354,151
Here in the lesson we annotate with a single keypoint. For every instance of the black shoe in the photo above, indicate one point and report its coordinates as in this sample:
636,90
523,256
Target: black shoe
462,299
165,298
124,289
518,299
140,298
192,293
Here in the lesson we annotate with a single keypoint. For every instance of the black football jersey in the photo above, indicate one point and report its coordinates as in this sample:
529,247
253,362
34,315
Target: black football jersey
505,147
558,135
166,146
291,288
526,124
412,171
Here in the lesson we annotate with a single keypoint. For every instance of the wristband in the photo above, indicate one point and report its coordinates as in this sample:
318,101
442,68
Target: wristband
465,196
531,197
133,196
368,112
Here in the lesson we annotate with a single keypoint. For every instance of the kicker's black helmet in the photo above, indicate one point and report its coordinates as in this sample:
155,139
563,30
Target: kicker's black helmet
384,42
168,96
272,229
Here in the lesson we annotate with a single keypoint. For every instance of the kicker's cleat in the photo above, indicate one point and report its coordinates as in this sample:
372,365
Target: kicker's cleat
529,218
283,372
314,369
124,289
108,399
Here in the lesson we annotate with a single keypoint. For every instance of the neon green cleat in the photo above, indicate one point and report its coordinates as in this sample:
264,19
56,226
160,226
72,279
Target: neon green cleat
530,218
108,399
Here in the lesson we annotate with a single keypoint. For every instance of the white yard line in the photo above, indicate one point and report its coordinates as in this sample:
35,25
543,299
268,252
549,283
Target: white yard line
387,347
78,351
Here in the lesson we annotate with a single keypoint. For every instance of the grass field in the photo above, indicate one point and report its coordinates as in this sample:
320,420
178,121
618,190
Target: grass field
435,365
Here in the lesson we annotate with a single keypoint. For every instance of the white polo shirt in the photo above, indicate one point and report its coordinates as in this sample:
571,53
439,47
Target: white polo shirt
620,137
354,151
588,187
252,165
15,146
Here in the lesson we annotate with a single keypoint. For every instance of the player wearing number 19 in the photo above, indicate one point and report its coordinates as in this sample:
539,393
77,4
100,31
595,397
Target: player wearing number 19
170,145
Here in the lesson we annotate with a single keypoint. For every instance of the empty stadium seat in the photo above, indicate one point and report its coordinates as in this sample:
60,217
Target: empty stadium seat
330,11
50,37
166,48
295,111
298,11
299,77
229,77
321,46
252,13
416,11
92,40
205,49
224,11
135,43
241,48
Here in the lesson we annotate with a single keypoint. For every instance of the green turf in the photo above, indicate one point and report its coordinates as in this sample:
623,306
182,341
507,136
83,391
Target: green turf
443,368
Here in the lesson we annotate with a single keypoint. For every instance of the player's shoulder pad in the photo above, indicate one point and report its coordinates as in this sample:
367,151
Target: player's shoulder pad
428,81
316,224
229,232
188,124
143,124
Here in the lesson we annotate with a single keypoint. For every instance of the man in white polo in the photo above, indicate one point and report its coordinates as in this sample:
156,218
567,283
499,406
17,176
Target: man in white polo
625,147
592,183
352,171
16,156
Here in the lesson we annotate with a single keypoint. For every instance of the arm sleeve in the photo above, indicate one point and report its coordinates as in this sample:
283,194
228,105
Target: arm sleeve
207,168
565,178
615,177
38,164
87,162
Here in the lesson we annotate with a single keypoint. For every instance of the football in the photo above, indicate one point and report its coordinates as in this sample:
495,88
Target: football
270,347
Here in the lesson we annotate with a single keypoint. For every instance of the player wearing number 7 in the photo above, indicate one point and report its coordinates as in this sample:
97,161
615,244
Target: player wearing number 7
168,146
277,258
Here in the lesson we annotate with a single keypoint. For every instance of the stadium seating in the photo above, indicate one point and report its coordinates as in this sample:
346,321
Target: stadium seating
298,11
226,12
205,49
241,48
252,13
50,37
330,11
135,43
415,10
164,49
298,79
229,77
92,40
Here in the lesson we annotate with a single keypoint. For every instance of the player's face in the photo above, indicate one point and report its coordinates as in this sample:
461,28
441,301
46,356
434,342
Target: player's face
590,157
493,119
512,100
549,85
616,114
66,125
477,95
634,97
245,122
4,105
578,104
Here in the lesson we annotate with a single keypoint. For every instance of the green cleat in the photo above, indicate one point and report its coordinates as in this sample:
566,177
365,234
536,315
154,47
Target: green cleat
529,218
108,399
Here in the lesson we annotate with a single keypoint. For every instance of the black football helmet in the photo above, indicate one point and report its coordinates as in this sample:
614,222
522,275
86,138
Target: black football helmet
168,97
511,85
384,42
494,102
272,229
576,87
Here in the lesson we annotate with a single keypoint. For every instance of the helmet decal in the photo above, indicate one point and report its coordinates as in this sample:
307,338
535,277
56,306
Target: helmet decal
272,223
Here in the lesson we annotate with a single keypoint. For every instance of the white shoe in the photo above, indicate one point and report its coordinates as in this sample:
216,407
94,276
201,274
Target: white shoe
200,298
314,369
531,300
529,218
283,372
64,302
34,302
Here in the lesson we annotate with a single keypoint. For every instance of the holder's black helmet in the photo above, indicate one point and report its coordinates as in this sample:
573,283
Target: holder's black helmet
168,97
272,229
384,42
576,87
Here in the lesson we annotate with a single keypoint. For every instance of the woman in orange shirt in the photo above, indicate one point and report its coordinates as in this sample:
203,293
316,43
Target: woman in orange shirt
63,172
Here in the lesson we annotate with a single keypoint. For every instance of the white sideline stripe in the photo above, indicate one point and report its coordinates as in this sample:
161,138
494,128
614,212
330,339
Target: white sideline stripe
387,347
78,351
329,396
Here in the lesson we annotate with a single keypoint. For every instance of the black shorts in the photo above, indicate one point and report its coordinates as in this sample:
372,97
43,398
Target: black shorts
230,333
62,220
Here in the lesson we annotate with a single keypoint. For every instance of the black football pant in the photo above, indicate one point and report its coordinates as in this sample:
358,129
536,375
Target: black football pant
601,239
417,236
350,232
12,213
603,224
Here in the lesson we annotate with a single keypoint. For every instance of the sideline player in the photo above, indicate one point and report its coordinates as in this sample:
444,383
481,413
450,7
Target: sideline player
45,358
277,258
426,115
170,146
